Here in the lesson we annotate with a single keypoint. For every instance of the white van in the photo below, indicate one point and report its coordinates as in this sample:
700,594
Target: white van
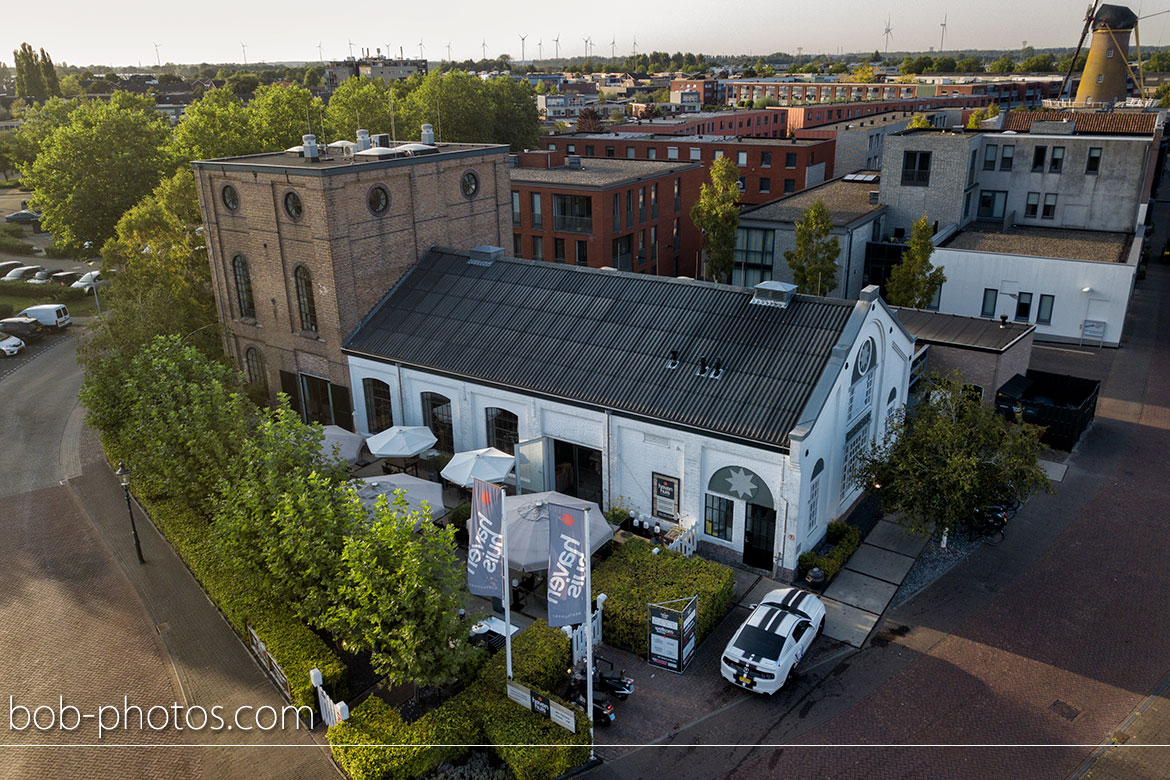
51,315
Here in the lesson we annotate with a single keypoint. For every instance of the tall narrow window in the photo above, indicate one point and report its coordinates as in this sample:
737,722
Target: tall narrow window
1093,164
243,287
515,209
537,214
990,152
1032,205
254,364
1044,310
502,430
990,298
379,411
1007,157
717,517
305,302
1057,162
1023,306
1038,156
537,247
437,416
582,253
1049,211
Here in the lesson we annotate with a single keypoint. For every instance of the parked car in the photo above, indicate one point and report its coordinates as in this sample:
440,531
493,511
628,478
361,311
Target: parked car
10,345
66,277
41,277
25,328
54,316
8,265
90,281
773,639
22,273
25,216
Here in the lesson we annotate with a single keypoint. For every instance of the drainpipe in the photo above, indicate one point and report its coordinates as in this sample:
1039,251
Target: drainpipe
608,464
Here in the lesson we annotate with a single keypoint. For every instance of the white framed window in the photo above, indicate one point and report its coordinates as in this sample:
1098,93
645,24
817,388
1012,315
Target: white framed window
814,503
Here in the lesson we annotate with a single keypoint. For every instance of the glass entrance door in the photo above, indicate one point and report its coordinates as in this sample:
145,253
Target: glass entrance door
577,470
759,536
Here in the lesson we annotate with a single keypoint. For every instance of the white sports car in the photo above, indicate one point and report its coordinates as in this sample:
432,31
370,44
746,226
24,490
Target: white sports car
771,642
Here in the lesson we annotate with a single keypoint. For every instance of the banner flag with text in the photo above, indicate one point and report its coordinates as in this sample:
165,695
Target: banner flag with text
485,547
567,559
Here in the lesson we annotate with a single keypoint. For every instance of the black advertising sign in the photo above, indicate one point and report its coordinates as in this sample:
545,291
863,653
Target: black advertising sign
672,633
666,494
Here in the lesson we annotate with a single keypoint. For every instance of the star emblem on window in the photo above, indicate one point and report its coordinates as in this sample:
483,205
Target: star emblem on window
741,483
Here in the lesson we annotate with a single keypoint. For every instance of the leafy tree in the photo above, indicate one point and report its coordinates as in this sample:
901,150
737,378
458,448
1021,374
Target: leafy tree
876,56
71,86
284,512
216,125
561,126
1069,64
944,65
1002,65
280,115
186,423
1162,95
359,103
969,65
39,122
864,74
915,66
30,79
1040,63
977,116
914,281
49,76
514,119
1159,62
838,67
589,121
91,170
242,83
814,260
716,215
7,153
918,122
948,458
169,79
400,595
617,115
312,77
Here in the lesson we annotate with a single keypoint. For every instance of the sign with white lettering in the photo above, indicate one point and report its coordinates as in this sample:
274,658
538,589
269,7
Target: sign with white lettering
665,496
672,633
567,562
542,705
562,716
485,542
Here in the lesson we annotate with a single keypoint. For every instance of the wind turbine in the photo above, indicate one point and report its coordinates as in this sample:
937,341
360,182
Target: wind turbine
244,48
613,48
522,39
351,50
540,50
420,50
449,52
586,47
156,57
321,51
943,39
484,47
888,32
635,45
557,45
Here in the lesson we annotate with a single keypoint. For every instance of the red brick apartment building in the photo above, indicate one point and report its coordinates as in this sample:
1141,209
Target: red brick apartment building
755,123
709,90
801,117
633,215
768,167
1010,93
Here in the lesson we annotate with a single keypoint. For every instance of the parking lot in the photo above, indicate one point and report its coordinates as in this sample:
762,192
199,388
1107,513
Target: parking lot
9,365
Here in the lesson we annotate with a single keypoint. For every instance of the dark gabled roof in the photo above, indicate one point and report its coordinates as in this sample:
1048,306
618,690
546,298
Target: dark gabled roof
954,330
603,339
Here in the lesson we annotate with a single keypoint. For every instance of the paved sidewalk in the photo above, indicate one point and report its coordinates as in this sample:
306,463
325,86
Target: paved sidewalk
211,665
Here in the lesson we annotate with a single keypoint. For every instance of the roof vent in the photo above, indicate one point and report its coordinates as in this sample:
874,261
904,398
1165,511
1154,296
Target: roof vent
673,362
717,371
773,293
704,369
428,134
873,195
363,140
485,254
309,145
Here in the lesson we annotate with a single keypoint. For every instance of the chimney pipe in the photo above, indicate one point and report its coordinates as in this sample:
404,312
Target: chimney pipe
428,134
309,147
702,366
363,140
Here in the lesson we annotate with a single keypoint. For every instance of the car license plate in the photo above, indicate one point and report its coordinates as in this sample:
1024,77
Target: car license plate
745,679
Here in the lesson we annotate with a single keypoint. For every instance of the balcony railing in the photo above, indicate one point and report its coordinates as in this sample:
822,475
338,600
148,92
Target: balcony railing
569,224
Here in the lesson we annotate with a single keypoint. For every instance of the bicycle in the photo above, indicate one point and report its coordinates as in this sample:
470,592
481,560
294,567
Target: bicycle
990,523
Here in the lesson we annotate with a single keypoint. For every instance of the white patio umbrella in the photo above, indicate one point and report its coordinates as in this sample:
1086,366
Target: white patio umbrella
348,443
401,441
526,517
488,464
417,492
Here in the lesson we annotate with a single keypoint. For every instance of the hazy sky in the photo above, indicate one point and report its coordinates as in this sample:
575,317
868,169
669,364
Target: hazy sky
212,30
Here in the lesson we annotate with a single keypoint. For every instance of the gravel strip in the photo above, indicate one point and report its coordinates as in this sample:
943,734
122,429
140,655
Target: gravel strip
933,563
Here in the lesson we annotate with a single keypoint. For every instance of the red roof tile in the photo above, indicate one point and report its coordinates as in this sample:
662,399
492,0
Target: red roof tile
1120,122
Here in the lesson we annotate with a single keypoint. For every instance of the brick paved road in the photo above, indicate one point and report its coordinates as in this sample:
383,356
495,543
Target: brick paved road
1052,637
75,625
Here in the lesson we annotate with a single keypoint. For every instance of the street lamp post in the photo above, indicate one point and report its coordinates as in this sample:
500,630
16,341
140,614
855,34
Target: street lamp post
123,474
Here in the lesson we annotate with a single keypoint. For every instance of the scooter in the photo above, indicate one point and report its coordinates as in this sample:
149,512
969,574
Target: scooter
610,681
603,712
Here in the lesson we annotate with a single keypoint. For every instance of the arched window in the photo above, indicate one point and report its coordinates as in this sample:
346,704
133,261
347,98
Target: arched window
437,416
379,414
254,365
305,302
502,430
243,287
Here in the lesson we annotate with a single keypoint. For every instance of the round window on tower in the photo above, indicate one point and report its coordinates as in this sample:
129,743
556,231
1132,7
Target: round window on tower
293,206
378,200
469,184
230,198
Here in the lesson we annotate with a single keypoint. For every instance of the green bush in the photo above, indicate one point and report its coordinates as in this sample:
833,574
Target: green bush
6,310
54,292
11,229
14,246
58,253
458,516
633,576
374,743
238,594
845,539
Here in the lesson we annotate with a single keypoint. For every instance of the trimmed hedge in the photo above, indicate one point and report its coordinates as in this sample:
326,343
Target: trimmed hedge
376,744
14,246
845,539
53,293
237,593
633,576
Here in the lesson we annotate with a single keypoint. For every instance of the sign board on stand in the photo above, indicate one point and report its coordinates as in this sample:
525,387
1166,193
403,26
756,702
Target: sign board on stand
542,705
666,494
672,640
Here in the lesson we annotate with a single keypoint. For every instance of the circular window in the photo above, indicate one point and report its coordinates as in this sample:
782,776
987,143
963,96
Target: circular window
469,184
230,197
378,200
293,206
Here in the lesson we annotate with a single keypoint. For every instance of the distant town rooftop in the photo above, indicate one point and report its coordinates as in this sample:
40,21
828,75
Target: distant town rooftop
599,172
847,199
696,117
1067,244
873,120
700,138
1084,122
335,160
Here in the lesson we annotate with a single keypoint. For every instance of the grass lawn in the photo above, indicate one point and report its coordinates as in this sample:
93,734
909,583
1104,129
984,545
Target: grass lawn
85,308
